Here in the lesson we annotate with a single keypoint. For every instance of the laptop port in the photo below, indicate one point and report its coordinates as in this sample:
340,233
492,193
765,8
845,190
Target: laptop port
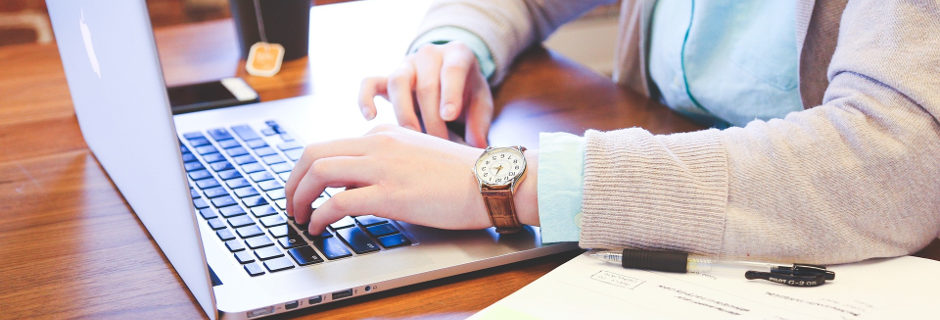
315,300
342,294
291,305
259,312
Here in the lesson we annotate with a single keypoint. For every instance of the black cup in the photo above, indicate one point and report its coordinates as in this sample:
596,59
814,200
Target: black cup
286,22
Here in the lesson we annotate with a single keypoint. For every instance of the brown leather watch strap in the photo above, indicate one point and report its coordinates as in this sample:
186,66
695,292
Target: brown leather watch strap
502,209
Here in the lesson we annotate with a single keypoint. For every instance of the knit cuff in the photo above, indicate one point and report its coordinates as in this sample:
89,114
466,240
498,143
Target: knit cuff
500,41
654,191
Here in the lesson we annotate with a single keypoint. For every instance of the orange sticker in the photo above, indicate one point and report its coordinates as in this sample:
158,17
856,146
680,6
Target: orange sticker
264,59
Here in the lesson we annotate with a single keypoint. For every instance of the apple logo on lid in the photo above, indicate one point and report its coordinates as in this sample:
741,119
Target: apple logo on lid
89,49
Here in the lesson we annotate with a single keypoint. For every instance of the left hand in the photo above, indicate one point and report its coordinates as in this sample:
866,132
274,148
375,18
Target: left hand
390,172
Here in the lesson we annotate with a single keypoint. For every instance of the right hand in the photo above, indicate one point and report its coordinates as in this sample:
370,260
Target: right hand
443,83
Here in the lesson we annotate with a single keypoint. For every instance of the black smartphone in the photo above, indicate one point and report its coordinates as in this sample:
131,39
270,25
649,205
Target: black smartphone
210,95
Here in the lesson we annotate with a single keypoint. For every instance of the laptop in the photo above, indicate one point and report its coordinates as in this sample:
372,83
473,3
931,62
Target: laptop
208,185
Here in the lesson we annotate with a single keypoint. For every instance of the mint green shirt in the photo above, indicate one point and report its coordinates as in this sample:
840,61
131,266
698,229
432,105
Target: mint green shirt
719,62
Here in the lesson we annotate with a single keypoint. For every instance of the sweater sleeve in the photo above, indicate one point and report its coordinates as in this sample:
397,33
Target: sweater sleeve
851,179
506,26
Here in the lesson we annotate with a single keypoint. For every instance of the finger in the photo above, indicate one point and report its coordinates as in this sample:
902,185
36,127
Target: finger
329,172
480,113
352,202
455,69
368,90
346,147
428,93
400,86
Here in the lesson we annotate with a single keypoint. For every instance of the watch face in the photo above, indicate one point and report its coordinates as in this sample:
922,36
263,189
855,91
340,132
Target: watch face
500,166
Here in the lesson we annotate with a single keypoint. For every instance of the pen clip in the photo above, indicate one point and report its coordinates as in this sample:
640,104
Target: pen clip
799,275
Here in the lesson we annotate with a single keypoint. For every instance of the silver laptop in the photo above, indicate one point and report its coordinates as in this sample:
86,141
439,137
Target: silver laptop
208,185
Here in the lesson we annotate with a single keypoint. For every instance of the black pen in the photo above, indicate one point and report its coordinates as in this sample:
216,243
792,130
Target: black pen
798,275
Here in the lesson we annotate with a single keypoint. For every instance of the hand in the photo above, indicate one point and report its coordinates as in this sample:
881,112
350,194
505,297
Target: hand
390,172
443,83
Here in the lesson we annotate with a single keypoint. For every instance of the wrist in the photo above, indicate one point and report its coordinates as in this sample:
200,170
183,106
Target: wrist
526,196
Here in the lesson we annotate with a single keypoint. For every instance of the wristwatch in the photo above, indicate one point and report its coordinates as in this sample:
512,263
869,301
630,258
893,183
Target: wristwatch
499,171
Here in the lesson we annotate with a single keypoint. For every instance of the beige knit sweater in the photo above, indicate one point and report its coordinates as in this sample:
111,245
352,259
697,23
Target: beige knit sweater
856,177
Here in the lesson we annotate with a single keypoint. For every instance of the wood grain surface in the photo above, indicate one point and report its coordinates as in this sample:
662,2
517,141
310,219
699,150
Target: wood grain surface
71,247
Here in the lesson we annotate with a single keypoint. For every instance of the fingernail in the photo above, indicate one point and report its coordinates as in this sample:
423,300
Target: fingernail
367,113
449,110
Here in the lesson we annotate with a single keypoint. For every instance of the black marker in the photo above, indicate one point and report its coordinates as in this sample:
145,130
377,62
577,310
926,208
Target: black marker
798,275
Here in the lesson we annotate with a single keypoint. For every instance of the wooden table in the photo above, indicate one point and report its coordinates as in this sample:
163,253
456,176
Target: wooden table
70,246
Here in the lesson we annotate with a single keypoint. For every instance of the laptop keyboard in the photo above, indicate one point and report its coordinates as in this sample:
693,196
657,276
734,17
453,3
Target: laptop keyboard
237,177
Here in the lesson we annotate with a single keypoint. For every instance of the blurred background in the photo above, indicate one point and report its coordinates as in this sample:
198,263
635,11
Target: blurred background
589,40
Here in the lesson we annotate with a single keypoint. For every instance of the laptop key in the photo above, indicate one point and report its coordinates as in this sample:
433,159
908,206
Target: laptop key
215,192
255,144
245,192
291,240
282,167
382,229
230,174
282,204
231,143
193,135
249,231
259,242
225,235
284,176
213,157
254,270
188,157
223,201
273,220
253,167
278,264
280,231
305,255
219,134
204,150
276,194
254,201
272,159
193,166
369,220
245,132
216,224
357,240
244,159
199,174
231,211
294,155
193,193
289,146
331,247
268,253
261,176
221,166
207,213
200,203
236,183
240,221
265,151
269,185
207,183
395,240
263,211
244,257
234,245
198,142
237,151
345,222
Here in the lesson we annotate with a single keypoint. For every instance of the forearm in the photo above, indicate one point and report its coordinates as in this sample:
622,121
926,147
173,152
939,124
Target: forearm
507,27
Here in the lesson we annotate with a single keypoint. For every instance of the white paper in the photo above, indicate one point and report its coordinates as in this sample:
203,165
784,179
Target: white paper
587,288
